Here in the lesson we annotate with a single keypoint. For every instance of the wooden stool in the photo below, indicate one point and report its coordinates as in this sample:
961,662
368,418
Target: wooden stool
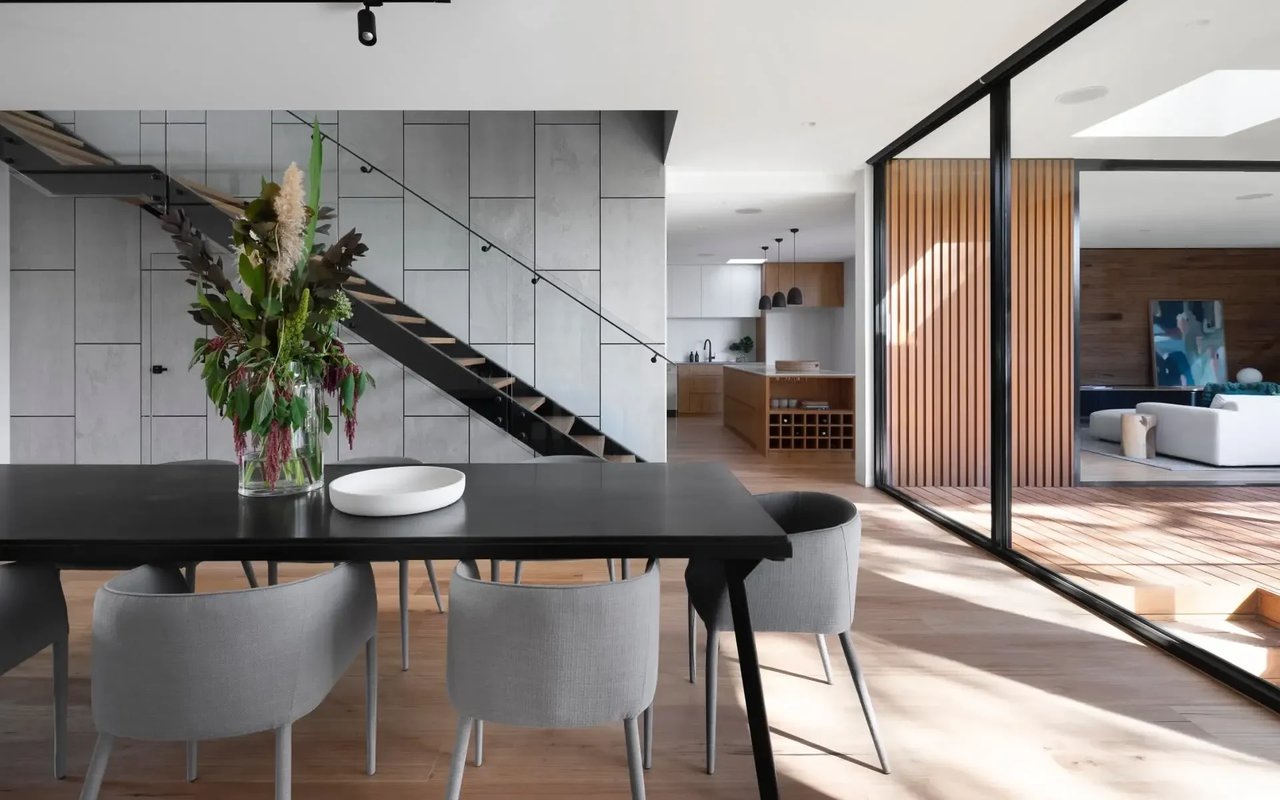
1138,435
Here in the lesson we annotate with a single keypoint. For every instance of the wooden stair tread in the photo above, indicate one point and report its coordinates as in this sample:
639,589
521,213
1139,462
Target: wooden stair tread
65,154
621,459
594,443
501,383
439,339
560,423
214,196
44,132
533,402
469,361
404,319
33,117
372,299
356,280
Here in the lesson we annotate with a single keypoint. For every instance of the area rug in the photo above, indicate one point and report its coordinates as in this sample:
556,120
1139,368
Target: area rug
1112,450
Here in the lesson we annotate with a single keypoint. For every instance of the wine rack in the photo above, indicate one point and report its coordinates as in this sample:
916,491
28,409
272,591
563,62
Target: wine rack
802,429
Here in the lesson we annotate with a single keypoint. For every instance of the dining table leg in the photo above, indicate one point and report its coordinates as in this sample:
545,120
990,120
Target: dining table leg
752,690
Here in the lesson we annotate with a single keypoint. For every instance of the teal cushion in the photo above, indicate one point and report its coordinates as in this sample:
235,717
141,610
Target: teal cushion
1212,390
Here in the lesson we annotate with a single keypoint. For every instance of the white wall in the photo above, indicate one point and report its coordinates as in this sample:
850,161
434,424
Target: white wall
857,328
687,334
580,194
804,333
4,314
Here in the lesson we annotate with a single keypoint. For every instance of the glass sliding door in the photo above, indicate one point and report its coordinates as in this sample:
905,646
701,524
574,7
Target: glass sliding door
1145,224
936,299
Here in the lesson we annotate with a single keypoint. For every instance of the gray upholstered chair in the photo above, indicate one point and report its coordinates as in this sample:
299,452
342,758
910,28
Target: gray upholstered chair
401,461
495,569
173,666
33,616
551,657
811,592
247,566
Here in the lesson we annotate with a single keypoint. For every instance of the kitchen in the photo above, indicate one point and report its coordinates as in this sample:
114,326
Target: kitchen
775,371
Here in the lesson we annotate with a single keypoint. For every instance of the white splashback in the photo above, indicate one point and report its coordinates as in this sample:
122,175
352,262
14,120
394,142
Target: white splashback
804,333
688,334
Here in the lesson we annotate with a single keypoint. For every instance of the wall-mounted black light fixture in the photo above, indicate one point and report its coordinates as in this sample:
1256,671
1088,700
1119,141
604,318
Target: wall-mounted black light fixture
794,296
779,299
765,303
367,25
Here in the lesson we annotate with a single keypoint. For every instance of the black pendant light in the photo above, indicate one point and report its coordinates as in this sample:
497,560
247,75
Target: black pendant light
765,303
779,299
794,296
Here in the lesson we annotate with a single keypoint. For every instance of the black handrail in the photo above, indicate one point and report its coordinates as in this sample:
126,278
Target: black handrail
489,243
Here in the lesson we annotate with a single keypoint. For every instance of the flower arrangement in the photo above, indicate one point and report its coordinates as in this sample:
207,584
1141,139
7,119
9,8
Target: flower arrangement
274,331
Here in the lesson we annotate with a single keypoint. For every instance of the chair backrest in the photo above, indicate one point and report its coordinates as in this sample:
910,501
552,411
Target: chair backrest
811,592
173,666
565,460
33,612
552,656
386,461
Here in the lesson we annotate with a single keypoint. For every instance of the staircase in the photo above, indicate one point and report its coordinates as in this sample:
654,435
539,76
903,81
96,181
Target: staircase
60,163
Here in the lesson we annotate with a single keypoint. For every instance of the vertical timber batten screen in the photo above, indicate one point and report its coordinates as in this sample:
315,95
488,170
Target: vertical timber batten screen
937,295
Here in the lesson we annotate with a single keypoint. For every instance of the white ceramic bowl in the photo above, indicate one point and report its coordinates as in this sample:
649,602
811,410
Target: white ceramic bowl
396,491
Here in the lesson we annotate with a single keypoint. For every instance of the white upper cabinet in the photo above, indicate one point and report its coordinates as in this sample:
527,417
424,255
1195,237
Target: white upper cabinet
714,290
684,291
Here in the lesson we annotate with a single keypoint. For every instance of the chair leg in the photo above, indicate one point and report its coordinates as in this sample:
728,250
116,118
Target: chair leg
250,574
97,767
846,640
626,568
193,769
273,573
371,704
479,743
459,761
60,708
612,575
284,762
519,570
713,683
435,587
404,616
190,571
825,656
693,645
634,767
648,737
495,570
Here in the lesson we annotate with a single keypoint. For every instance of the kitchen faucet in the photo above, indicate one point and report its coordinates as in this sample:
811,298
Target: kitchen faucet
706,343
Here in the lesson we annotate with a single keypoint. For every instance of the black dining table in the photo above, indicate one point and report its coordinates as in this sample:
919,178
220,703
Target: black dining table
128,514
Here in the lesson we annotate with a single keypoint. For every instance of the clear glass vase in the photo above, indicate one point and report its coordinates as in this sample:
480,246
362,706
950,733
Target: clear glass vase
303,469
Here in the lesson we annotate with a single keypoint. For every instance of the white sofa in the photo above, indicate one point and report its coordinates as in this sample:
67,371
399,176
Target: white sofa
1235,431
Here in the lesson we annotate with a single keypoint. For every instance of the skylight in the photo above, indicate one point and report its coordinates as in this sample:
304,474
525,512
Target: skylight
1219,103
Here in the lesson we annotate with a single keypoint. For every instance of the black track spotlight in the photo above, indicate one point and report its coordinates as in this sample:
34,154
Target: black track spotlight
367,25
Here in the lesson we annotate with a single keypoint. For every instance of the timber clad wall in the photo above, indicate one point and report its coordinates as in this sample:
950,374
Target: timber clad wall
938,298
1117,285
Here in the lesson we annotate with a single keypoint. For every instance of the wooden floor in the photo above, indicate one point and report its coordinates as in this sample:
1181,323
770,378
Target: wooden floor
987,686
1157,536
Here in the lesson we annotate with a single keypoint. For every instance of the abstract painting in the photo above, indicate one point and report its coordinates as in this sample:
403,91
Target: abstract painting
1188,345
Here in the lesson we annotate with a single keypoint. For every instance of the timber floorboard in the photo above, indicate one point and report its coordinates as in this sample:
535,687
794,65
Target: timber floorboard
987,685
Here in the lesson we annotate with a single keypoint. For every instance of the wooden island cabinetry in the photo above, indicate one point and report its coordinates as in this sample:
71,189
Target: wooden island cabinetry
699,387
797,433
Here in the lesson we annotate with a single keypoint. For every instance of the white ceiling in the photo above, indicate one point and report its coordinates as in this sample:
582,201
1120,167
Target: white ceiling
1179,209
704,228
1139,51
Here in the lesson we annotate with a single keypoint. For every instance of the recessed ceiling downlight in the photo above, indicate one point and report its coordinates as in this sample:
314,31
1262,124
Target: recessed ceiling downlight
1255,195
747,210
1084,94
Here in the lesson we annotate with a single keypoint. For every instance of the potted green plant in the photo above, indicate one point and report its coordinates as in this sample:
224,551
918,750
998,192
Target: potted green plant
743,348
273,352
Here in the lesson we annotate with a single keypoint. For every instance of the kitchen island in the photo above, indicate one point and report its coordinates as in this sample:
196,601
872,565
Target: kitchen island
766,407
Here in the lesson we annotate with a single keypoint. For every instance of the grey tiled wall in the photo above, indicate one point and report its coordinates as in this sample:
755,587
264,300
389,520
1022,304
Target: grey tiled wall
98,296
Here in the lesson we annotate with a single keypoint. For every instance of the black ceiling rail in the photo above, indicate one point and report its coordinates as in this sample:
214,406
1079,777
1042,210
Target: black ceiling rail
489,244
